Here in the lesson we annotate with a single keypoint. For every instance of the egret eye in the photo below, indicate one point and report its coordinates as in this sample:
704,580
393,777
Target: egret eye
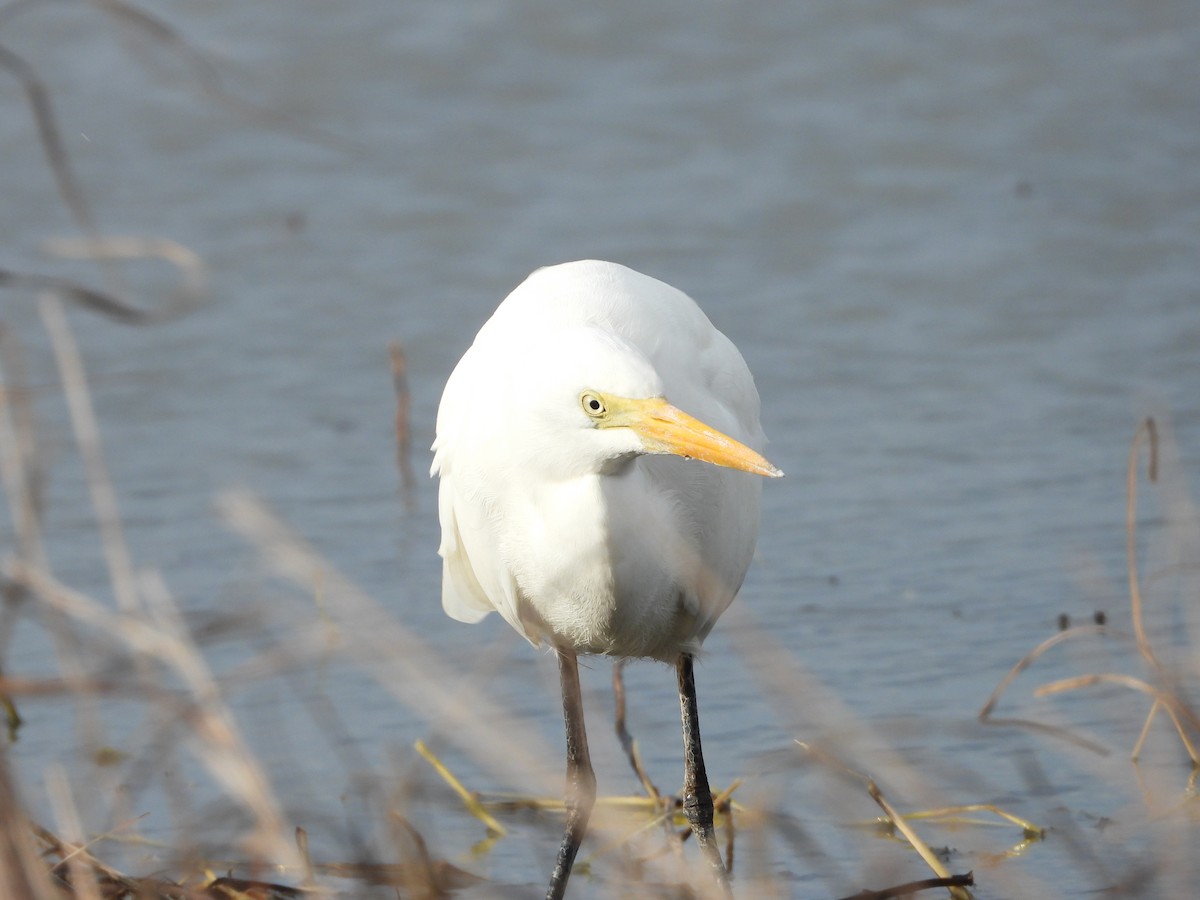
593,405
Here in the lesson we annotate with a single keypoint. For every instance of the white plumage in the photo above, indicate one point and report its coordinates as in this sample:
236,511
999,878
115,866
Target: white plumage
574,533
565,505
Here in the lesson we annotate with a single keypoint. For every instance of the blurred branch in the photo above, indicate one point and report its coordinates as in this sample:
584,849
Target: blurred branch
189,294
22,873
208,77
48,135
91,450
161,636
910,835
415,673
403,413
1149,429
21,469
1164,685
954,882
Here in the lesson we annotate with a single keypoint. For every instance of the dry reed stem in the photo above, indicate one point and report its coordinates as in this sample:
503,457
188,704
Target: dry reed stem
219,746
1165,692
57,158
69,851
80,295
628,744
470,799
107,249
20,461
1055,731
502,802
66,814
1028,659
208,78
1168,696
400,660
1149,429
50,138
798,699
184,298
22,873
949,813
944,879
403,427
1136,752
915,840
310,875
419,880
22,475
226,754
1174,707
87,686
953,883
91,450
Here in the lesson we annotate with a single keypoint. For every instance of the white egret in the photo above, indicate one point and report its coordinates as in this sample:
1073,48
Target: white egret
565,504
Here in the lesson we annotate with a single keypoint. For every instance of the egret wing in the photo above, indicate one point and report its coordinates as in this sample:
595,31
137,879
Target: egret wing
463,598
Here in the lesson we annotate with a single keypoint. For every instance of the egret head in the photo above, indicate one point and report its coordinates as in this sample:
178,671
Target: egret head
663,428
598,402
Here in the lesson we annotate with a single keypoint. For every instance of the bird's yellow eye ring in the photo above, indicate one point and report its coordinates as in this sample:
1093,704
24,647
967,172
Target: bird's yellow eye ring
593,404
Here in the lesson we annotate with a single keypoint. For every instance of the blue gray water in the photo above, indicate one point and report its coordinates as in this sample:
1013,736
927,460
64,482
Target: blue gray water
958,244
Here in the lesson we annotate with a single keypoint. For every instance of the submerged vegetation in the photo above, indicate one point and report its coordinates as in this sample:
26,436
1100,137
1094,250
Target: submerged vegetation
942,827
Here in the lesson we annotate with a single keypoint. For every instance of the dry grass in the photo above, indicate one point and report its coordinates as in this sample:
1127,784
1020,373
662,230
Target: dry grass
781,825
1167,687
152,659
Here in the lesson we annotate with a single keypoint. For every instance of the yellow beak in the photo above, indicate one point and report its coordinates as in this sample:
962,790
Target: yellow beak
664,428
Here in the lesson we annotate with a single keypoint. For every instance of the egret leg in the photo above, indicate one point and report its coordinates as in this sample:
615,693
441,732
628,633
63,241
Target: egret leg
581,780
697,797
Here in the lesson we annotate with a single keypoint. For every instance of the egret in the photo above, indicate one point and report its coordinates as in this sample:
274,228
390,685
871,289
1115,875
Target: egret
598,454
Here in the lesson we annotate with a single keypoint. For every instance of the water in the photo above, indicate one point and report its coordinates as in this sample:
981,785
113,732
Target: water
957,245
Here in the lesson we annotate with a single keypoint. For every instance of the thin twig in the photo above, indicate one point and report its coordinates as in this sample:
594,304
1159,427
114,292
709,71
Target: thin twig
67,850
469,798
623,735
208,77
948,813
403,428
50,137
83,882
185,297
20,460
1137,747
420,880
91,450
1149,429
223,752
411,670
1178,712
953,882
81,295
914,839
22,873
1032,655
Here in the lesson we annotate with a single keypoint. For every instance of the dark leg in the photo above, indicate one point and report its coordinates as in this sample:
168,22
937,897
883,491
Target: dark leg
581,780
697,798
